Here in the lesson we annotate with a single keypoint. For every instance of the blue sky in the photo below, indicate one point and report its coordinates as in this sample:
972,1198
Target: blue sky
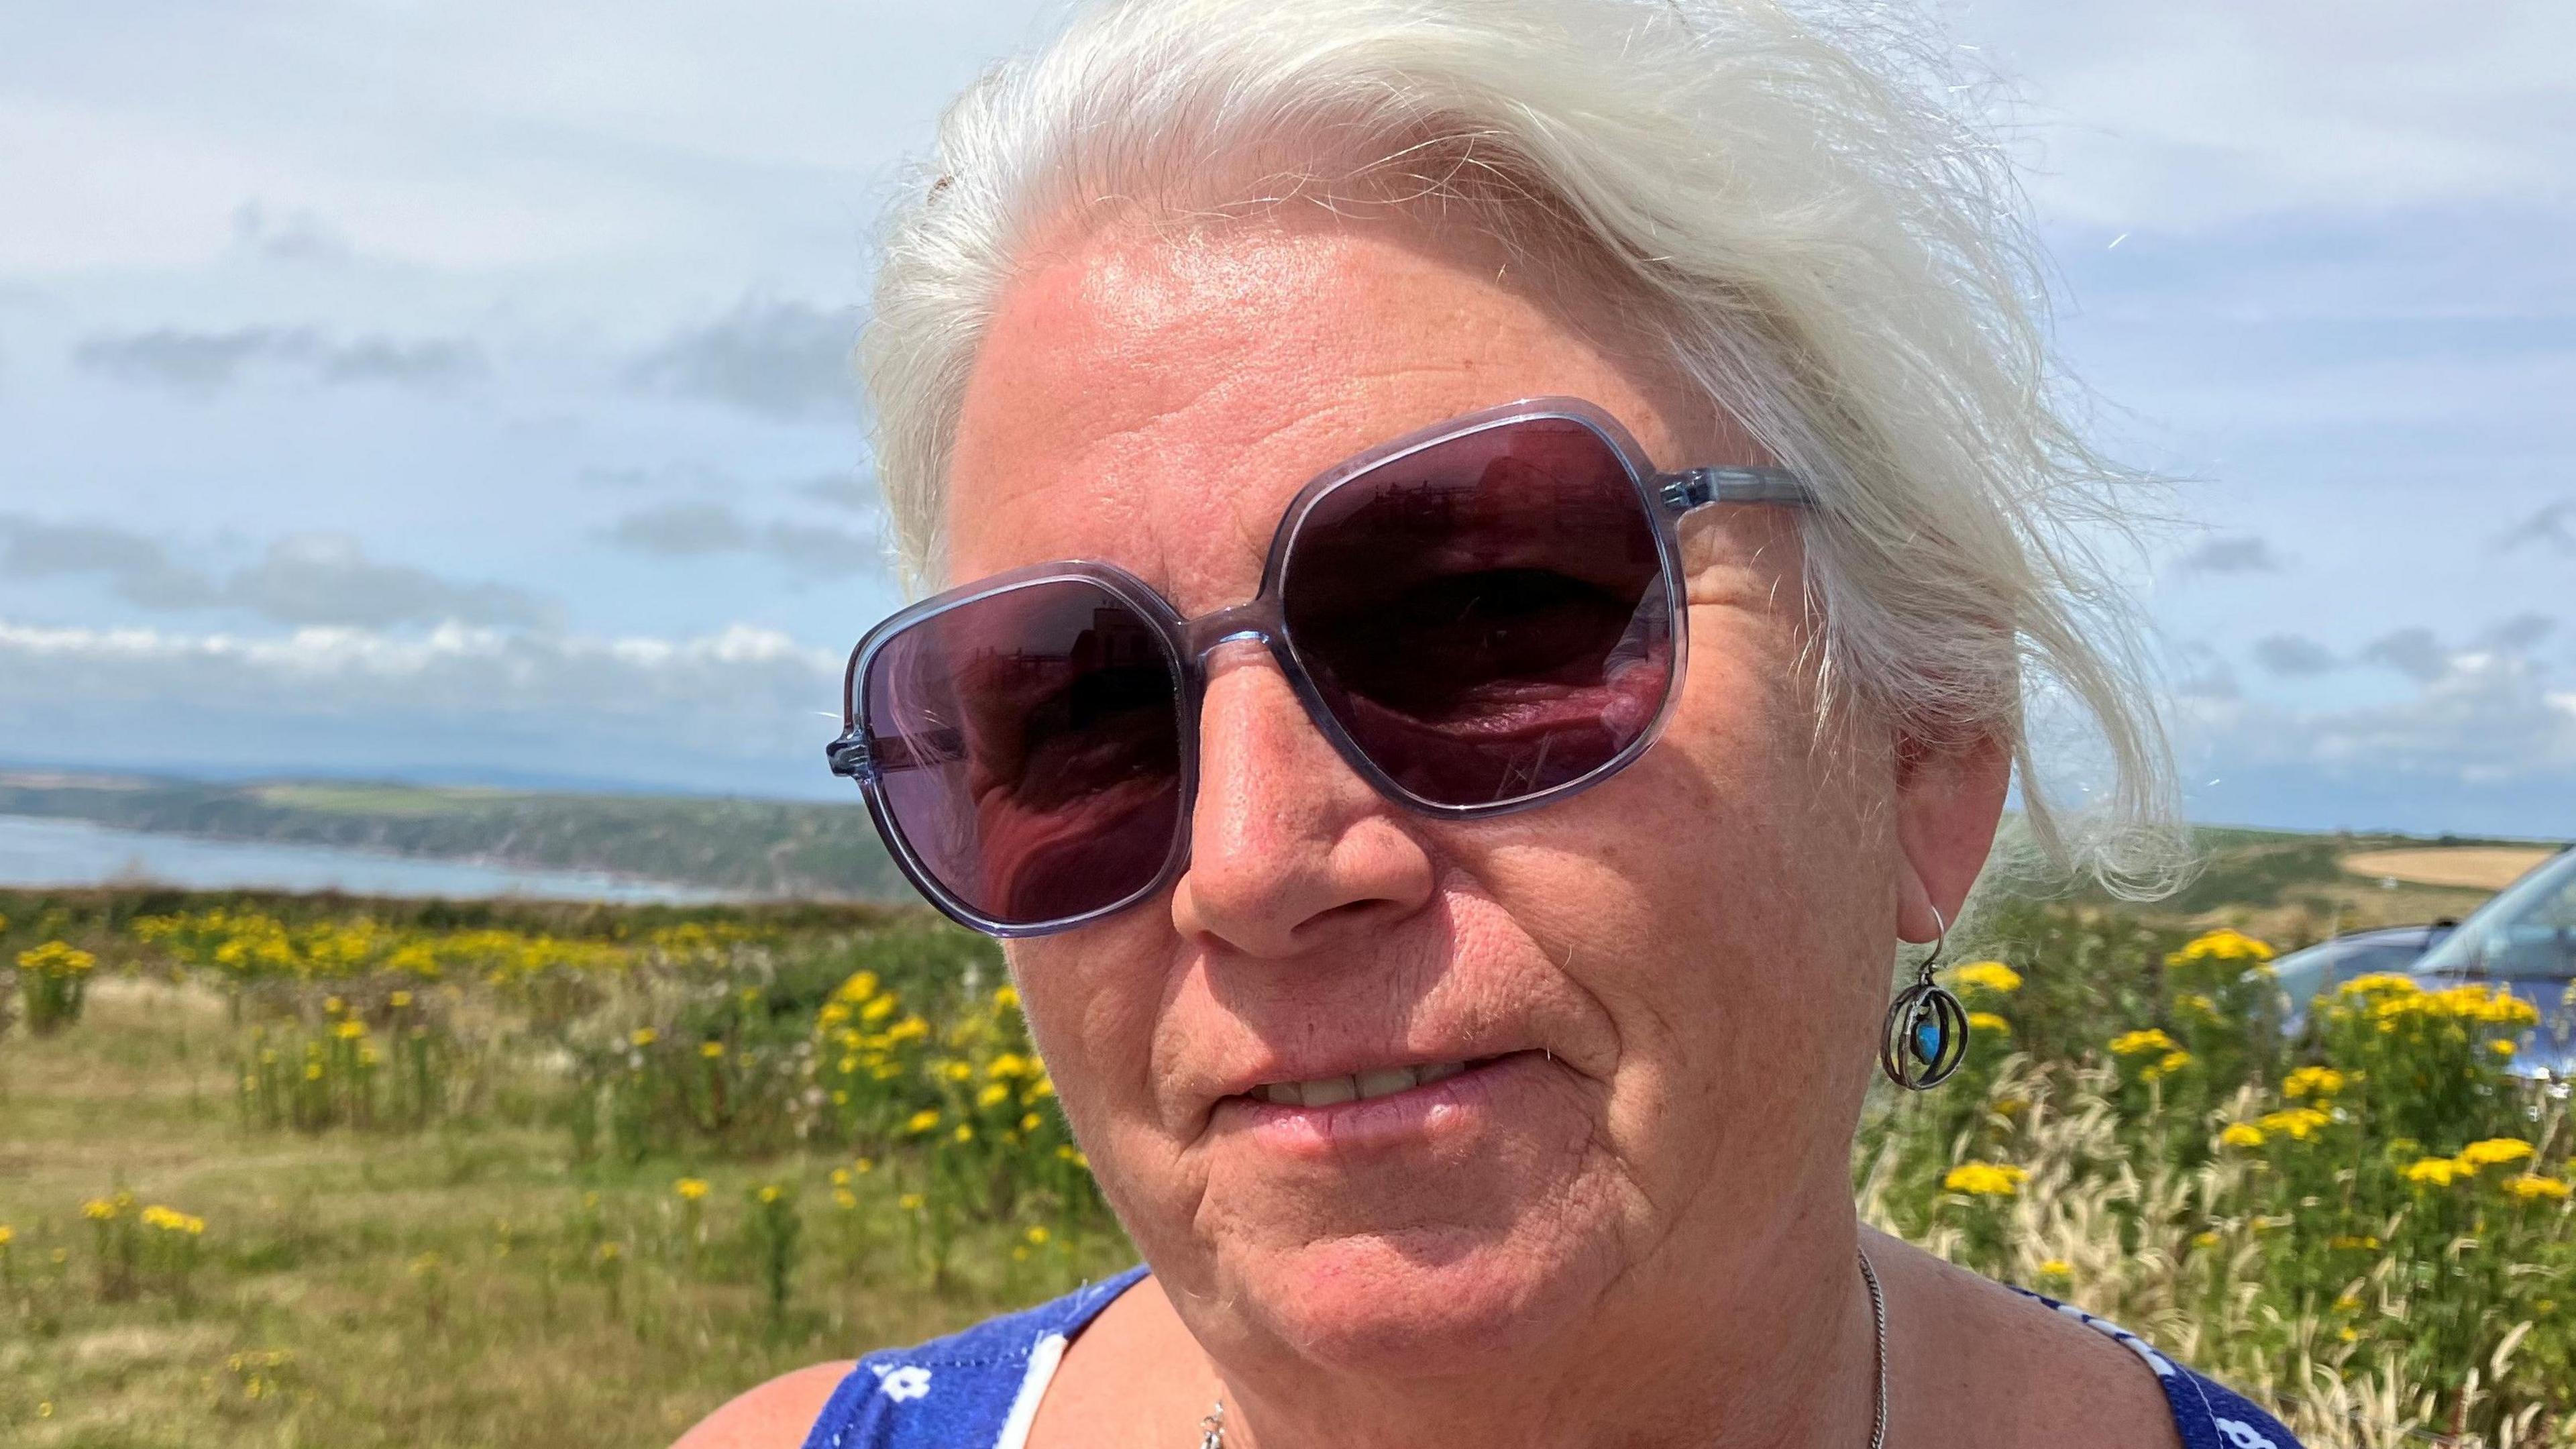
454,391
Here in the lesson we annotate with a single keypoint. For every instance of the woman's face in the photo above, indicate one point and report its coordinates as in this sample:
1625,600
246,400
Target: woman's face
1669,985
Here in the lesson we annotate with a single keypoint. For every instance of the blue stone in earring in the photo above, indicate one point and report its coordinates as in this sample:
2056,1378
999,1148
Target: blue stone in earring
1926,1036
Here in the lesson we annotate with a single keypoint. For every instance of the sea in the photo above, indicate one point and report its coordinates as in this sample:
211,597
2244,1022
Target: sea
54,852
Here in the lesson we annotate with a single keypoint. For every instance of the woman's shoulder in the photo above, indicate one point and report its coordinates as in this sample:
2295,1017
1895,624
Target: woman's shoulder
2207,1414
964,1389
2012,1367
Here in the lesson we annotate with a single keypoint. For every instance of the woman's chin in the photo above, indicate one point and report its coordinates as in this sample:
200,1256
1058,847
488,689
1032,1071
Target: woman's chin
1417,1303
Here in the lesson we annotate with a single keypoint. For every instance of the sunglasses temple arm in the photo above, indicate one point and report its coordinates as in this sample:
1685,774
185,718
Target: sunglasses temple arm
1692,487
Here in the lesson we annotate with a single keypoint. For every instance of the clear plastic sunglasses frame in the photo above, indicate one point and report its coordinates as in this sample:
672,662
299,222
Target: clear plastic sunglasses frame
1664,496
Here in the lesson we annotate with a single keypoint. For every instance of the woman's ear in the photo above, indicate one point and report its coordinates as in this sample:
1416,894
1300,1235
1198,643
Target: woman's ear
1949,799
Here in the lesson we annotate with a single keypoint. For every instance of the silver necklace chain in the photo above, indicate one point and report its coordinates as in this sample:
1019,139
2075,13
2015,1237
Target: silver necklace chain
1212,1427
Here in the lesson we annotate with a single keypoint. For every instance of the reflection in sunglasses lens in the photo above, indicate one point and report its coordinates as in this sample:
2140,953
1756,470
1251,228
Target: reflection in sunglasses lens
1487,617
1029,748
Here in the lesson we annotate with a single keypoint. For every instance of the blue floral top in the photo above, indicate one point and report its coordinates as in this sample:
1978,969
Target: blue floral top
981,1387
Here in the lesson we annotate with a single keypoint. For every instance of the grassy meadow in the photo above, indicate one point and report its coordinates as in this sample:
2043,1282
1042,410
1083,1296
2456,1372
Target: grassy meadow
283,1170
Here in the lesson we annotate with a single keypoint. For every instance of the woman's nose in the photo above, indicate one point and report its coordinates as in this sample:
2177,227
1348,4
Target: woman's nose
1290,850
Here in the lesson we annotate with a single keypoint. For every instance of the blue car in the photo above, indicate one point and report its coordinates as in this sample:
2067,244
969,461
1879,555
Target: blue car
2316,971
2524,941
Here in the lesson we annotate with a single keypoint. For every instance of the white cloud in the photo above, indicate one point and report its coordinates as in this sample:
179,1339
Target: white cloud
2201,114
2479,715
741,691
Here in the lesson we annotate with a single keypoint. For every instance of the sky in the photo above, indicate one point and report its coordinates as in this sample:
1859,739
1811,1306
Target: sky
458,391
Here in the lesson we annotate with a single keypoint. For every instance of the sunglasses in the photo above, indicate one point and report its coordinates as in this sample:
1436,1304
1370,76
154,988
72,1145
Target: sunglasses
1481,617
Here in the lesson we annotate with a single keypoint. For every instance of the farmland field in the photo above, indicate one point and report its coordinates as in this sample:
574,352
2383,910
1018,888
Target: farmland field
310,1170
2476,867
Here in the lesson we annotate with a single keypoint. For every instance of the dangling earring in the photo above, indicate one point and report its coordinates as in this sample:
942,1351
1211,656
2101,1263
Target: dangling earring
1927,1028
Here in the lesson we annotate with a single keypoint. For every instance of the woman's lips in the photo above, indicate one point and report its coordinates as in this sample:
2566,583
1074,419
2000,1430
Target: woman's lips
1322,1119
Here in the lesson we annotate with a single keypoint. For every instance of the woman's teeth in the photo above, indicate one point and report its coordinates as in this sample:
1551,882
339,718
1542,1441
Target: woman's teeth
1376,1082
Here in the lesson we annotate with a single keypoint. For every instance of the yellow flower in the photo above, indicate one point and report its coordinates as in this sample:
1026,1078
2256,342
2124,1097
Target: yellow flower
690,1189
957,1071
1029,1122
769,1193
2501,1048
910,1202
1006,998
840,1177
643,1036
57,958
1988,1021
2171,1062
2204,1240
2380,984
2057,1268
2494,1152
1985,1179
965,1132
711,1050
312,1071
2223,944
925,1120
2366,1243
2435,1172
611,1252
171,1220
350,1030
8,1234
333,1006
99,1209
2139,1043
1992,976
844,1199
2312,1082
1072,1154
1038,1236
2526,1187
2242,1134
993,1095
1007,1066
865,1165
398,1000
2297,1123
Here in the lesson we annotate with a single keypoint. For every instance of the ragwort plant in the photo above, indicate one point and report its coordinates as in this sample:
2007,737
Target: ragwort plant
2372,1228
54,979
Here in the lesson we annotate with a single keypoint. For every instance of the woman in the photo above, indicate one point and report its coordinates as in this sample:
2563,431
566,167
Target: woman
1563,520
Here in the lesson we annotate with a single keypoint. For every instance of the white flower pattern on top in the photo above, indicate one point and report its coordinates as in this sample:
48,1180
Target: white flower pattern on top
911,1381
2243,1435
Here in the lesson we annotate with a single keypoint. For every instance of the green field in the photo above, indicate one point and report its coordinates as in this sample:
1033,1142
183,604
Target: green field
305,1170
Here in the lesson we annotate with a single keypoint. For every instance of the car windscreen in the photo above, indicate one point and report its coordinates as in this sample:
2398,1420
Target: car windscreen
2527,930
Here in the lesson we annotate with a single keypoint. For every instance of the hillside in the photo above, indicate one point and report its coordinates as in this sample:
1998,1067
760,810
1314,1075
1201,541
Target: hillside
2290,886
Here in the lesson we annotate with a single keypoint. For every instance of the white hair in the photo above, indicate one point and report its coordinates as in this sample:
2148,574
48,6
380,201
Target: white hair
1820,241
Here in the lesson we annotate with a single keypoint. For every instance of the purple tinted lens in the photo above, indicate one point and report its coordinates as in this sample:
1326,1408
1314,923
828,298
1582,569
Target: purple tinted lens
1028,747
1487,618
